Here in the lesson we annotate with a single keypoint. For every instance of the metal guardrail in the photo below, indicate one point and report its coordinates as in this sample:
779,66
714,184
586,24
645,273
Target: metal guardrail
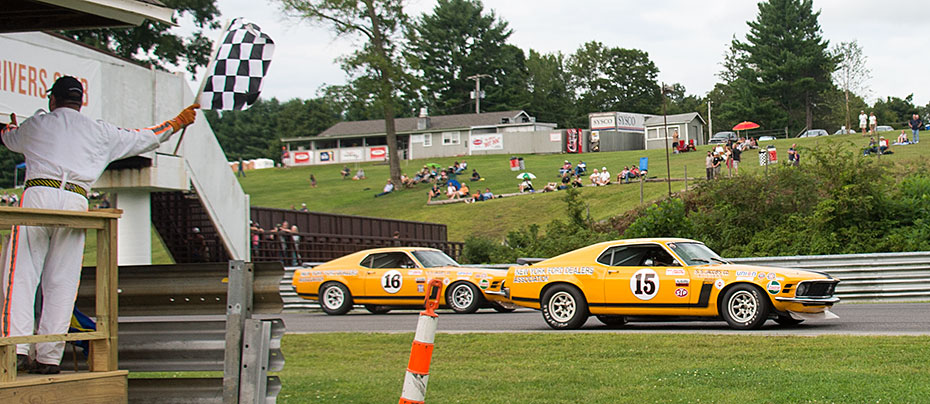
186,289
185,390
876,276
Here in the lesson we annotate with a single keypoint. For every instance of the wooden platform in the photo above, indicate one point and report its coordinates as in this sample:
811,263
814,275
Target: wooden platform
83,387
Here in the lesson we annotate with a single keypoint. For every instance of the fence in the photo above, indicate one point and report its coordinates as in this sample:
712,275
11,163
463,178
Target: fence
875,277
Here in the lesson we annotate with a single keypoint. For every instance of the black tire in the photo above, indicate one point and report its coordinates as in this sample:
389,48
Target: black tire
564,307
612,321
787,321
464,298
335,298
377,309
497,306
745,307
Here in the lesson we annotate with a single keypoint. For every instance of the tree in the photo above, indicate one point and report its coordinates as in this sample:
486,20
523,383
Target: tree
458,40
550,99
894,111
614,79
378,21
787,58
851,73
153,43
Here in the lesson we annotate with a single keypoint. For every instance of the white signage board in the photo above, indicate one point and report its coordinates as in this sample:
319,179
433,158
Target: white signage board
490,141
27,72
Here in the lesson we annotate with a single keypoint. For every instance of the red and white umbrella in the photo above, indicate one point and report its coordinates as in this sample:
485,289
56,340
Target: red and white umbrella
746,125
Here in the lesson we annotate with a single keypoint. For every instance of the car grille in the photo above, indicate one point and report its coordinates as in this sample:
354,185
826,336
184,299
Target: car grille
816,289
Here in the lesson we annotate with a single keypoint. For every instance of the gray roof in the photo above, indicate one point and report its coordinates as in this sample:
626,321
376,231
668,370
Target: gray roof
409,125
657,120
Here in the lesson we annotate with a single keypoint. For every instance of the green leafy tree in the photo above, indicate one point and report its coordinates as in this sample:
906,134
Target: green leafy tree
895,111
787,59
153,42
459,40
379,22
550,99
680,102
614,79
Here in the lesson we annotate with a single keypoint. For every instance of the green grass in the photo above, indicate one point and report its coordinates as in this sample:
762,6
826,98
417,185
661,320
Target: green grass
282,188
610,368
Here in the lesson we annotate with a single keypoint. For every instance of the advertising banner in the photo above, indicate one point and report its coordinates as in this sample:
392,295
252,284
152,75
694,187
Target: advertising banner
377,153
573,140
351,155
327,156
491,141
302,157
28,71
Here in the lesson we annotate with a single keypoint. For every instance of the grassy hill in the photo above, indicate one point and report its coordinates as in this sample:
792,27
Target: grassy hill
286,187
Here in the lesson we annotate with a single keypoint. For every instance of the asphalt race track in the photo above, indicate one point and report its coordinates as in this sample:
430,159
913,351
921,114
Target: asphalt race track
855,319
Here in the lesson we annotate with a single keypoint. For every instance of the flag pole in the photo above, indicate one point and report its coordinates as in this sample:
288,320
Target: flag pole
203,82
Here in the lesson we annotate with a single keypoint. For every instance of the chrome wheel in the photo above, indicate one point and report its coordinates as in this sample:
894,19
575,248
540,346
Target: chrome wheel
562,306
743,306
462,296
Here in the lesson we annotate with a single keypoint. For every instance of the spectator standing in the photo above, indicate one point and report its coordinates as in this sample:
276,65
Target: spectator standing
256,232
863,122
718,162
241,172
736,155
873,123
792,154
312,181
916,123
709,165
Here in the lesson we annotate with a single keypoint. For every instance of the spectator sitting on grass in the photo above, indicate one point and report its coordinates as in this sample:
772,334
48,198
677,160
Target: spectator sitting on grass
485,195
433,192
464,165
595,177
388,188
605,176
475,176
634,172
566,168
883,146
550,187
581,168
566,180
462,192
526,185
359,175
871,148
345,172
902,138
576,182
406,181
623,177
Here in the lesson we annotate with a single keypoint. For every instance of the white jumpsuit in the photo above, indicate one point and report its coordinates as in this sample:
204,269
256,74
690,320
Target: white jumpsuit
69,147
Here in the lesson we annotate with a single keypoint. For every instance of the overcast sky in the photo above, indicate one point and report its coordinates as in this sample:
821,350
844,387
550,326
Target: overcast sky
686,39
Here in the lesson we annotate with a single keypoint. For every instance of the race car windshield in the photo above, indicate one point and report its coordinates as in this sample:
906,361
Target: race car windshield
433,259
696,253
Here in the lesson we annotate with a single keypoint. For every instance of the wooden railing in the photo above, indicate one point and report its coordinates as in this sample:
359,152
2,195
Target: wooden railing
103,357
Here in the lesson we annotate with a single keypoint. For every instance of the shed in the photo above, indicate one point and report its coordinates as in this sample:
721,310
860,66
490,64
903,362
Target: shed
690,126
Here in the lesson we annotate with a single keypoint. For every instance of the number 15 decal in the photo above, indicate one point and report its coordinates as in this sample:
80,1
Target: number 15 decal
645,284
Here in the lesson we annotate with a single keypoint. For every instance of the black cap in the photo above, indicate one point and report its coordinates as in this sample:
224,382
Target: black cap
67,88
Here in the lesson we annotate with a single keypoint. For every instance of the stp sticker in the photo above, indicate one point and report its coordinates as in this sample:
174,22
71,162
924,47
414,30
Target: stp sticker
719,283
681,292
774,287
675,272
645,284
391,281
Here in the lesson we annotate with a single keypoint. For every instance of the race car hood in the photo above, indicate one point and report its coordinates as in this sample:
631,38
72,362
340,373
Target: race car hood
788,272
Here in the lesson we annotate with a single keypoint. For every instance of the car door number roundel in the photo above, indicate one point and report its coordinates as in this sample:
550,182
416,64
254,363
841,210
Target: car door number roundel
645,284
391,281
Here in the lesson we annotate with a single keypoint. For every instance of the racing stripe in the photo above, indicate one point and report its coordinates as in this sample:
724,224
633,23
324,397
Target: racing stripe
161,129
14,241
703,301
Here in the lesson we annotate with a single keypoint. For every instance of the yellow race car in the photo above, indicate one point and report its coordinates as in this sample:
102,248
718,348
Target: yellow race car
666,278
385,278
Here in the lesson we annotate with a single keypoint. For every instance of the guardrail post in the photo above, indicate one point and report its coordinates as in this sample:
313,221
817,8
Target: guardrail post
253,376
238,309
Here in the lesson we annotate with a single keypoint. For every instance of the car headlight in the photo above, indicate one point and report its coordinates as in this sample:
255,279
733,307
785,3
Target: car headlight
802,289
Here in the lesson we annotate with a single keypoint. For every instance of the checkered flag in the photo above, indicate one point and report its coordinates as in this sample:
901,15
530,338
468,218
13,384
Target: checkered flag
234,79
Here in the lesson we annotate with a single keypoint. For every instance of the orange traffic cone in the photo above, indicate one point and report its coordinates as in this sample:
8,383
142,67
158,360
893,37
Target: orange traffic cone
422,351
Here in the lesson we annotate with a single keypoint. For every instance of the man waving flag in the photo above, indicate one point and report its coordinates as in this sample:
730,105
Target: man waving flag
234,77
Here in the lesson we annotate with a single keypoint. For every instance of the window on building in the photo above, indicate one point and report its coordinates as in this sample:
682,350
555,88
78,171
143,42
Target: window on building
450,138
427,139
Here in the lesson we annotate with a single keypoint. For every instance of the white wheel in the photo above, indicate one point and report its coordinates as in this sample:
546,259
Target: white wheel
335,298
745,307
562,306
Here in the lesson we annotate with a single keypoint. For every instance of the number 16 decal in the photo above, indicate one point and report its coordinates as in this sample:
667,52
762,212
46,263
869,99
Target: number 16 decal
391,281
645,284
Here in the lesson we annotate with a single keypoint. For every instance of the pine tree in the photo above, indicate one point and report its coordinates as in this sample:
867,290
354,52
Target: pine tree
788,57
